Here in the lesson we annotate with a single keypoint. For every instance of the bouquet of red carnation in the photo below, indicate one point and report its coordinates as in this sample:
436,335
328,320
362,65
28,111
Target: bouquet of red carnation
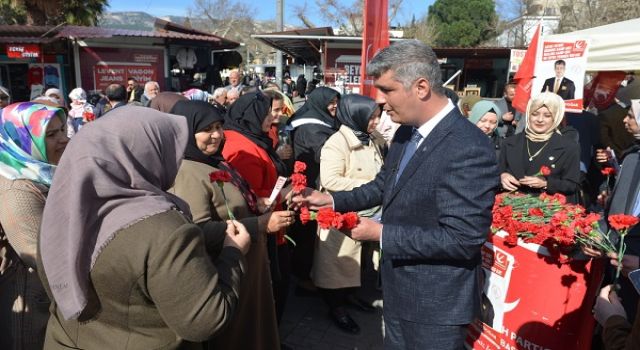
549,221
327,218
298,178
220,177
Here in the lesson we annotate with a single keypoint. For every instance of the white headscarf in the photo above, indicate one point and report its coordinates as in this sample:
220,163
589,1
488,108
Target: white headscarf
555,104
55,95
635,109
78,94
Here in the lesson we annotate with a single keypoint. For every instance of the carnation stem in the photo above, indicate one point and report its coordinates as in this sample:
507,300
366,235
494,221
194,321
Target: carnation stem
621,250
226,202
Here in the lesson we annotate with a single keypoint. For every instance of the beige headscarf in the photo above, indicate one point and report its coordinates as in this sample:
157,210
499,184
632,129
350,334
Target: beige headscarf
555,104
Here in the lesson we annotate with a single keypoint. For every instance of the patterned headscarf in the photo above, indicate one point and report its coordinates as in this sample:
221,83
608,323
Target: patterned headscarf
23,151
196,95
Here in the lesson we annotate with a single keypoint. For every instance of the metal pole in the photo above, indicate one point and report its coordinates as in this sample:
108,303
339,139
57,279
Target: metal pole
279,28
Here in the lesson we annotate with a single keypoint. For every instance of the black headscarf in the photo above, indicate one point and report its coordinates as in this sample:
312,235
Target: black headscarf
316,107
355,111
199,116
246,116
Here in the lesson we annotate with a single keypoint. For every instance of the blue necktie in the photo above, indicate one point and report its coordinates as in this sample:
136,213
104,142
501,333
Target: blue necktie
635,211
409,149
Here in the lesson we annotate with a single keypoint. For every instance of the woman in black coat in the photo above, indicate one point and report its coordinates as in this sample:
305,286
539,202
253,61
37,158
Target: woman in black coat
523,155
311,126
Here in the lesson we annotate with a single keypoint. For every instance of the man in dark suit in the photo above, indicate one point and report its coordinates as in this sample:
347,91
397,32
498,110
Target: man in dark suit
134,90
560,85
436,189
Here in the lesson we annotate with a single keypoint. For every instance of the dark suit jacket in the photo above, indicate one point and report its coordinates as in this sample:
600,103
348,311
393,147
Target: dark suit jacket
567,88
561,155
435,220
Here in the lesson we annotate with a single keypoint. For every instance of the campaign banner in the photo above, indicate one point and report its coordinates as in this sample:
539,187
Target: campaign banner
515,59
531,301
560,68
105,75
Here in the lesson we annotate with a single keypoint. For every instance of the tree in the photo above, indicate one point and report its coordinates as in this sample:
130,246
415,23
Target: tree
51,12
463,23
423,29
231,19
346,17
582,14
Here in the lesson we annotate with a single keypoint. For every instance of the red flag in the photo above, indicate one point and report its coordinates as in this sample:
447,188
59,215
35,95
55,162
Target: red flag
524,75
375,36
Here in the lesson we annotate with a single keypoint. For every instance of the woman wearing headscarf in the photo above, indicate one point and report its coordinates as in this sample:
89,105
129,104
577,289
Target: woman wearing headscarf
348,159
120,257
523,155
250,150
197,95
32,139
254,326
486,116
311,126
80,111
165,101
301,86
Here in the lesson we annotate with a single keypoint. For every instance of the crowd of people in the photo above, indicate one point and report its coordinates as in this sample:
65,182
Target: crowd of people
145,218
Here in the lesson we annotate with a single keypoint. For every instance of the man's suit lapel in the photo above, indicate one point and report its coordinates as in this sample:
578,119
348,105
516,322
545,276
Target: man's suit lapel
422,153
635,185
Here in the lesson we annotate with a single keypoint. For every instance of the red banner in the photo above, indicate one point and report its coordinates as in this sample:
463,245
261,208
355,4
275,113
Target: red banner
118,74
602,90
375,37
23,51
524,75
532,302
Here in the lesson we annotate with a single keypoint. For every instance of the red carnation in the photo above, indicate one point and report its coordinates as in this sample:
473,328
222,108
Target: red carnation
622,222
338,221
220,176
608,171
325,217
536,212
299,167
299,182
351,220
545,170
305,215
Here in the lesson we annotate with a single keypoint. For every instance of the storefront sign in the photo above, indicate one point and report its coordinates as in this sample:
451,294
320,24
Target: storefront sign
352,73
530,301
23,51
106,75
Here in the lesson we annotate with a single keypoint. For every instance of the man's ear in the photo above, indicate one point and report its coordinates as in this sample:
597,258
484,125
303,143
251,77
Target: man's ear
422,88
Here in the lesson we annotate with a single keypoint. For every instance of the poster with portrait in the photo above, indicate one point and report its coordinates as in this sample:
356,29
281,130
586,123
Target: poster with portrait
560,68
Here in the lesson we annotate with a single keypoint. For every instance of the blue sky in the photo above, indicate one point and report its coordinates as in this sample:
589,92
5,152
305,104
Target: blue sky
267,8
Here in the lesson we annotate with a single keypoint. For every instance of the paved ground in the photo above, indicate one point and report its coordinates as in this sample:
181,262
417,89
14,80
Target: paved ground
306,324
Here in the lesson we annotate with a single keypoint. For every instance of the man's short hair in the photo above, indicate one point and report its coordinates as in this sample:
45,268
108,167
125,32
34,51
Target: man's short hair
131,78
560,62
116,93
410,60
509,86
218,92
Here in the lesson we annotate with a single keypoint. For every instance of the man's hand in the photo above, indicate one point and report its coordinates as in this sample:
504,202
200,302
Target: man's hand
608,305
507,117
366,230
312,199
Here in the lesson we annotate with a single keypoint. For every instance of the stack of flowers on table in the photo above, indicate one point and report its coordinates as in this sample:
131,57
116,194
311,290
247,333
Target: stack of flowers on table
548,220
327,218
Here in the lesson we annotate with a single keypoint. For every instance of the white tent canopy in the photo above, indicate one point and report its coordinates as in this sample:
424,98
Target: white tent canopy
614,46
